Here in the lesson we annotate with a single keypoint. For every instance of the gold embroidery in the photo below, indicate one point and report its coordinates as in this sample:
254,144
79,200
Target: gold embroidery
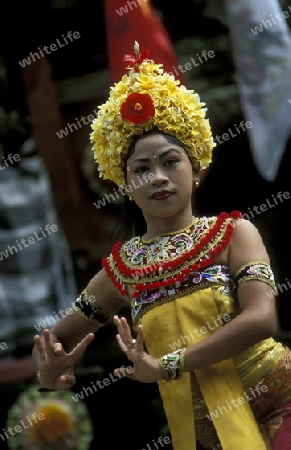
86,307
255,270
172,233
145,267
148,306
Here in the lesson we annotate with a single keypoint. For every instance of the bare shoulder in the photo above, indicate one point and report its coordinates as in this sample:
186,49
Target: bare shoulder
246,245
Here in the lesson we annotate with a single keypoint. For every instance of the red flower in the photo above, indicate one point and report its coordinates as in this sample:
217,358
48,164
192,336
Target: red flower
137,108
132,60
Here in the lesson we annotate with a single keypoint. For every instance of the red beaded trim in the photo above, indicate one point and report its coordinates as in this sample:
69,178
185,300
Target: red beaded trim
117,283
193,253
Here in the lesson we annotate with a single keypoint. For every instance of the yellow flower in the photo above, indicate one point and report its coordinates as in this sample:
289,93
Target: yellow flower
56,424
178,112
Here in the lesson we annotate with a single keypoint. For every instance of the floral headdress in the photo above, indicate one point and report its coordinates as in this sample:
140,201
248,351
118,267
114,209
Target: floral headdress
148,97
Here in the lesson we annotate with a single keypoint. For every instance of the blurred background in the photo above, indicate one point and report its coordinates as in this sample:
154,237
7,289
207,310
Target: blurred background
48,97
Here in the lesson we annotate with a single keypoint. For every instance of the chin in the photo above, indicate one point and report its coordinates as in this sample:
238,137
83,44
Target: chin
168,213
164,209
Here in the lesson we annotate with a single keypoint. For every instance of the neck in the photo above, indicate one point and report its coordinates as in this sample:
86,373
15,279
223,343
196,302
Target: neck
161,225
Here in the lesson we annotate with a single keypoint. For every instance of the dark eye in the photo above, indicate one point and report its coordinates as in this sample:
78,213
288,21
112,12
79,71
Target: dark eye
141,169
171,162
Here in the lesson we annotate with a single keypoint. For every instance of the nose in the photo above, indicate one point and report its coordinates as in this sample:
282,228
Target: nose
159,177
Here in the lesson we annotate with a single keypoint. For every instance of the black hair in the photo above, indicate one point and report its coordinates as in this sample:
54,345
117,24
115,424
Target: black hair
131,221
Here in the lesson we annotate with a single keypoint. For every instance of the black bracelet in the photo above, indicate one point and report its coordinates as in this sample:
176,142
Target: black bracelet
87,308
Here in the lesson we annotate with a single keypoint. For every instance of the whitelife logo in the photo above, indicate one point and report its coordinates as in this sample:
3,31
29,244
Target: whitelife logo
252,393
11,250
265,24
52,320
71,127
10,160
131,4
146,178
101,384
47,50
159,443
22,426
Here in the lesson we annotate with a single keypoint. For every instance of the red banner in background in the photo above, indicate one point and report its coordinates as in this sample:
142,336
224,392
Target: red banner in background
136,20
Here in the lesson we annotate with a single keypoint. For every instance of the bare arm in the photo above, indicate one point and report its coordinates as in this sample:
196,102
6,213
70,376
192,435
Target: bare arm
258,316
72,328
61,348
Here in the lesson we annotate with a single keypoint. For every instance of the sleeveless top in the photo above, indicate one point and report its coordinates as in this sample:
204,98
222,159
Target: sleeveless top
181,297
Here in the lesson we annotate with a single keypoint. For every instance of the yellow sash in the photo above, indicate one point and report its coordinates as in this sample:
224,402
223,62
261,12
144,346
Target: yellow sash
220,384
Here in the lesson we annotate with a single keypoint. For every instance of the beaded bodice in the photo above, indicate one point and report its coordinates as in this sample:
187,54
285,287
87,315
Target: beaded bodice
171,264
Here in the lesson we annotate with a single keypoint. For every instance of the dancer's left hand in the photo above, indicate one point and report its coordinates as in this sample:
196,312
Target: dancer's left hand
145,368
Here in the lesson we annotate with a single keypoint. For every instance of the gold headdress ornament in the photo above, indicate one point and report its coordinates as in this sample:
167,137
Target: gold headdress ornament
148,97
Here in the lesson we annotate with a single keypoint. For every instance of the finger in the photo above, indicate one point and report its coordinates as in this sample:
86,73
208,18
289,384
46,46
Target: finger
126,331
124,337
120,329
77,352
40,348
131,345
64,382
68,380
139,340
58,349
116,320
121,344
48,342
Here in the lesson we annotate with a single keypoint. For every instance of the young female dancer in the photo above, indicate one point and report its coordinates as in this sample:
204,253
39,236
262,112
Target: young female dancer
200,288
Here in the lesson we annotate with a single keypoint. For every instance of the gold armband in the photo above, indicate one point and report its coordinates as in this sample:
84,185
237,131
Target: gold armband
254,270
172,364
86,307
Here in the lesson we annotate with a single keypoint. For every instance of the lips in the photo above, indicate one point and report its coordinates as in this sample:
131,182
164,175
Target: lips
162,195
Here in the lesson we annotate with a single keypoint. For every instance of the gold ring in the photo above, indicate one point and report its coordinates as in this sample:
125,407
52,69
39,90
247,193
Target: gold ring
132,343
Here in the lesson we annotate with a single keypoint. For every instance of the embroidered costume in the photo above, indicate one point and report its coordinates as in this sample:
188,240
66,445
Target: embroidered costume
180,296
178,293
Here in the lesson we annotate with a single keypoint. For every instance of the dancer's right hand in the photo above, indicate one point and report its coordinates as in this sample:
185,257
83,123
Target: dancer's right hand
56,367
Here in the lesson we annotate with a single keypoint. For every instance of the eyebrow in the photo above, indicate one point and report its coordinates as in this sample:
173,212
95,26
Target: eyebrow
159,156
